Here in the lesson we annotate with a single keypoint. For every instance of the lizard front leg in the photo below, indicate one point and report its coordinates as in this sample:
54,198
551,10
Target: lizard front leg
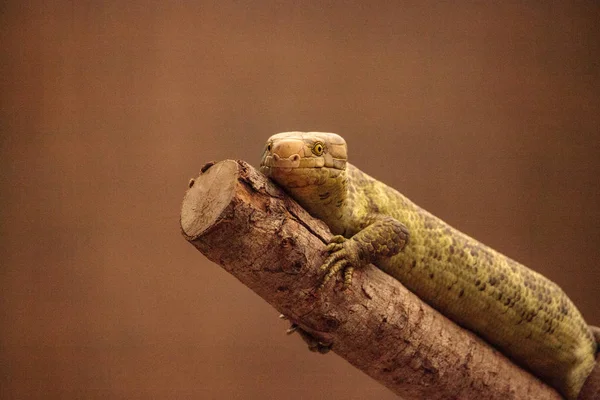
384,236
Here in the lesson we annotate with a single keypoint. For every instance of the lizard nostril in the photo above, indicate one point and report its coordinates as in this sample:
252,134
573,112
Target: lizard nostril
288,149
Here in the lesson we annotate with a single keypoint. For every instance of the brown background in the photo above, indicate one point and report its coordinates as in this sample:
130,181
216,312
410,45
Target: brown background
487,115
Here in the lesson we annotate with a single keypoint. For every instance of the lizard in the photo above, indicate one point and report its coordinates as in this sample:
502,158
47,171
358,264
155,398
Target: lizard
515,309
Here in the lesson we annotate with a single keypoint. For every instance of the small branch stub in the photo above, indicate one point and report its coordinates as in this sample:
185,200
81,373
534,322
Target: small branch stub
242,221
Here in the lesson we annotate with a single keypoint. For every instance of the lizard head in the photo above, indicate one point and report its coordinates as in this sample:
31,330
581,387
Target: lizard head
304,159
311,167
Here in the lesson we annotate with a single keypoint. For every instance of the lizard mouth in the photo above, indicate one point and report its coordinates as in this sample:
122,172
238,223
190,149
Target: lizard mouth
295,171
295,161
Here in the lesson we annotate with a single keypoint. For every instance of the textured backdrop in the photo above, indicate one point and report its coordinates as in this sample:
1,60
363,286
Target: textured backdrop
486,115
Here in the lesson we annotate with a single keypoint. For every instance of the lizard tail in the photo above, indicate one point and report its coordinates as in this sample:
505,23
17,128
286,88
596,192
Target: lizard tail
591,387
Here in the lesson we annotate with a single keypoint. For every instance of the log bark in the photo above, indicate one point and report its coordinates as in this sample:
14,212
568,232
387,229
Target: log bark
242,221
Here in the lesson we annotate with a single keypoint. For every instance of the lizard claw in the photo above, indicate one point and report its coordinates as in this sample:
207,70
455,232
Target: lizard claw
293,328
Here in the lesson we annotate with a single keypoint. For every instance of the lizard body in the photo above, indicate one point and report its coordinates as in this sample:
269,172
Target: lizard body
526,316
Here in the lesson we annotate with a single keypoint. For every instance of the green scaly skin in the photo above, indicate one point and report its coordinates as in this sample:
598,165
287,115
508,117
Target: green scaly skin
526,316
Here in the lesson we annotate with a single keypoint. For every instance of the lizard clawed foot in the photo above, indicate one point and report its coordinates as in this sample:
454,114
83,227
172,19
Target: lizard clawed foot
314,345
343,255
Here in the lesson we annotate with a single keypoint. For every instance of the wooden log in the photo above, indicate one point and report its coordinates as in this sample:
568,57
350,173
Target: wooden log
242,221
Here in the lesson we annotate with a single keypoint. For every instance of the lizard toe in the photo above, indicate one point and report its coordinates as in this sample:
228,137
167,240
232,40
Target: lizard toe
334,269
337,239
333,247
348,276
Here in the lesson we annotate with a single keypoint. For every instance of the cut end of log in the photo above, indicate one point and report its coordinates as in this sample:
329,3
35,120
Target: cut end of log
208,195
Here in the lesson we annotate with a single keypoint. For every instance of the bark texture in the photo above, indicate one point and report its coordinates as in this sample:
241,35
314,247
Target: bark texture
242,221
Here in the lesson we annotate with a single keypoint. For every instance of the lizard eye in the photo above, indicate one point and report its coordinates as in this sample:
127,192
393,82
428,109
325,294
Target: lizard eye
269,147
318,148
